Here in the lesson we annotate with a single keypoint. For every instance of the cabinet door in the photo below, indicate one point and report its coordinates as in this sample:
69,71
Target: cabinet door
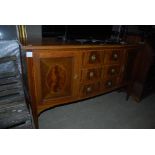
56,76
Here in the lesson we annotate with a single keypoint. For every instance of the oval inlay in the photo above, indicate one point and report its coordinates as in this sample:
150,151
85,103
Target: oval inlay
56,79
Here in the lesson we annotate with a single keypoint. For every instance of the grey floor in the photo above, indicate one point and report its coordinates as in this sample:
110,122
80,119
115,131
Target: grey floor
109,111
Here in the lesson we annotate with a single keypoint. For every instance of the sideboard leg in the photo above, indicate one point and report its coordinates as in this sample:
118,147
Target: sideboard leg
127,97
35,117
36,123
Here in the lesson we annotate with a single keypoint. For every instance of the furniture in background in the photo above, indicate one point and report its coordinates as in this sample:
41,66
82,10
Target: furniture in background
144,73
133,39
60,74
14,112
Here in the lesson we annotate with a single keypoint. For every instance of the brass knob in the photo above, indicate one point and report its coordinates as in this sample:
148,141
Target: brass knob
75,76
113,70
115,55
91,74
109,83
93,57
89,89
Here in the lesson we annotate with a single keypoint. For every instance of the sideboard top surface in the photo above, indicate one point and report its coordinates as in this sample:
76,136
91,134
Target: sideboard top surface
78,46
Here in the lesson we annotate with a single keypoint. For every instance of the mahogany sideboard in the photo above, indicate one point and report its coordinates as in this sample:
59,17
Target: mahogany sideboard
60,74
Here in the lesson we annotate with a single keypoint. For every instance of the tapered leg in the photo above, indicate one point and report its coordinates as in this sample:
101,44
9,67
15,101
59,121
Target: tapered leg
36,123
127,97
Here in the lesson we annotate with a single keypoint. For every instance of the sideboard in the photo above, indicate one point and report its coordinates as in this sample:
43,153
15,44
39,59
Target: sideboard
61,74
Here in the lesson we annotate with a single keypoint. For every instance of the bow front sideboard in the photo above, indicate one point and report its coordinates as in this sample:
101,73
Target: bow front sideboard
61,74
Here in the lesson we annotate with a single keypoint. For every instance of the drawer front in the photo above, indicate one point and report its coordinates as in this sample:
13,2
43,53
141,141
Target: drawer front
91,74
91,58
113,57
109,83
111,71
90,89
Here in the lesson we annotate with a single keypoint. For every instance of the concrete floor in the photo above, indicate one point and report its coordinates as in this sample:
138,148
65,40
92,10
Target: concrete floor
109,111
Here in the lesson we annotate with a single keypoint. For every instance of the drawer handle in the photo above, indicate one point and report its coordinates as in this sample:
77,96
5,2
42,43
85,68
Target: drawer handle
109,83
113,71
91,74
123,68
115,56
93,57
89,89
75,76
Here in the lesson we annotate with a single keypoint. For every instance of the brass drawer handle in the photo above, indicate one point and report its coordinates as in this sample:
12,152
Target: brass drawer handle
93,57
115,56
113,71
123,68
91,74
109,83
89,89
75,76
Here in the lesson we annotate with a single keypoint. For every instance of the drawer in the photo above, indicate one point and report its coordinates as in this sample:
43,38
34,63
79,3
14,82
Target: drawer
111,71
91,74
91,58
113,57
110,83
90,89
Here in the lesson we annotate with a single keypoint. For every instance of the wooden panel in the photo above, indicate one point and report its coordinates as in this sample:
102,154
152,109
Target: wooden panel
113,56
56,75
91,74
32,89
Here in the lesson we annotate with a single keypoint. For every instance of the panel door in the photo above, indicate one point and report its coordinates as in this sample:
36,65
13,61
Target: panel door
56,76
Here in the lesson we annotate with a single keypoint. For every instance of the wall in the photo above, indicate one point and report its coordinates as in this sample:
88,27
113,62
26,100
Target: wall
8,32
133,29
34,33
